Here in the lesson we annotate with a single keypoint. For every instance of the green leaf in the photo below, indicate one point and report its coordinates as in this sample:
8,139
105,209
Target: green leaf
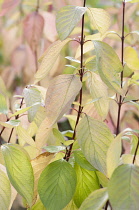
20,111
67,18
123,187
58,135
57,185
5,191
38,206
94,138
61,93
39,164
96,200
113,155
87,182
71,206
3,105
81,160
32,96
98,89
97,17
72,120
68,133
19,170
102,179
90,64
127,71
109,65
68,142
49,58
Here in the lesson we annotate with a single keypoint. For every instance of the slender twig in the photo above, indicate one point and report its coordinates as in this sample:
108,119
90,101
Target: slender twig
107,204
36,59
10,135
16,118
134,158
38,5
122,61
81,73
3,128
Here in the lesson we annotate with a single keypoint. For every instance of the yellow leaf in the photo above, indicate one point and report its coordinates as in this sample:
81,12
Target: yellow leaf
23,137
88,45
60,94
131,58
38,165
100,19
113,155
32,129
128,159
13,191
71,206
49,58
98,89
43,135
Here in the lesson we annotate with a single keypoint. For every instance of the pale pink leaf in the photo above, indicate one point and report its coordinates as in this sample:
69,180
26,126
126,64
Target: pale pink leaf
8,5
49,26
33,28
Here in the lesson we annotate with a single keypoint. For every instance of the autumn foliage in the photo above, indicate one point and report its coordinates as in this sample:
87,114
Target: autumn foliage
69,104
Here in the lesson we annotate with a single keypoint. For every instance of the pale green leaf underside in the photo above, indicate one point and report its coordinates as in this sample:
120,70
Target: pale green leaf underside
123,188
32,96
19,170
67,18
94,138
96,200
57,185
87,182
60,94
10,123
99,18
98,89
132,1
5,191
108,65
49,58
